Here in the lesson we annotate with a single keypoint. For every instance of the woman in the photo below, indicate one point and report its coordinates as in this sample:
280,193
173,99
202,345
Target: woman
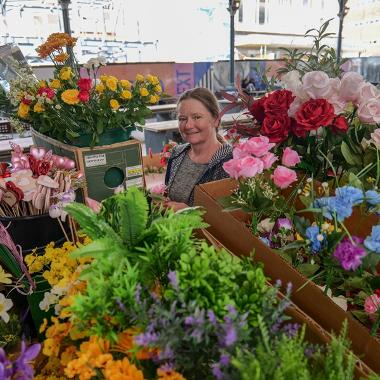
200,159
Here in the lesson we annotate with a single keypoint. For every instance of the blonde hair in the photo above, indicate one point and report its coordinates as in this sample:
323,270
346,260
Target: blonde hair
209,100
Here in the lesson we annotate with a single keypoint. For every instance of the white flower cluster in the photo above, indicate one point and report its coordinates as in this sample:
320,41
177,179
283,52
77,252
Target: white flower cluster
20,87
94,63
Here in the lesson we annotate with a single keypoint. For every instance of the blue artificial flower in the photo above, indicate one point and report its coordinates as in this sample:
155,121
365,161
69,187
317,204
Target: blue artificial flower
330,206
350,194
312,234
372,242
372,197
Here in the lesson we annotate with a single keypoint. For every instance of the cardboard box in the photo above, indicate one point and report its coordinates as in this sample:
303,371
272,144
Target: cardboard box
231,231
105,167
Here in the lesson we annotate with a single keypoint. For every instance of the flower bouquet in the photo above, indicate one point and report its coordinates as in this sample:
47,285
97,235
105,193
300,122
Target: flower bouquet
71,105
322,112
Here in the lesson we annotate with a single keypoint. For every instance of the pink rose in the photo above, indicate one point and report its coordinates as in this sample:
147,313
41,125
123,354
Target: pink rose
159,188
375,137
367,91
350,85
283,177
258,146
369,112
371,304
250,166
316,84
244,167
268,160
239,151
290,158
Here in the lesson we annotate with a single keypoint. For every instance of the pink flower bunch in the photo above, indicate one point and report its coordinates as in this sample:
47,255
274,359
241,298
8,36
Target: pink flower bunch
338,92
372,304
252,157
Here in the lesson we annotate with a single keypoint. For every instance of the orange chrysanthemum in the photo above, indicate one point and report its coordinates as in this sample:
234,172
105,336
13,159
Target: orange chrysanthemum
55,42
122,369
168,374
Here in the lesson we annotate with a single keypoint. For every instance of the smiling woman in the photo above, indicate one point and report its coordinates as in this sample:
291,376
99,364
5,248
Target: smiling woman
200,159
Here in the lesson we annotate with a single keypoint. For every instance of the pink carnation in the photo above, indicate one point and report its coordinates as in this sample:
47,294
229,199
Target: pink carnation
258,146
372,304
158,189
290,158
283,177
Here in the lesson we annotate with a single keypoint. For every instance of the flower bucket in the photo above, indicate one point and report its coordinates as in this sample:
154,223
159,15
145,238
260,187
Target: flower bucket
31,232
110,137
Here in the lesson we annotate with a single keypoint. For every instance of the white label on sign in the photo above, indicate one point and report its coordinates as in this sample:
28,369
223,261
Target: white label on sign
95,160
133,171
134,182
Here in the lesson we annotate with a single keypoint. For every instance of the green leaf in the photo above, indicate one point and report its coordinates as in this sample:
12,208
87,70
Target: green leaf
308,269
97,248
354,181
100,126
349,156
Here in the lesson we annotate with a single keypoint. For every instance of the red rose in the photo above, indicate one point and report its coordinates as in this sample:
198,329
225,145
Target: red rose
84,96
257,109
315,113
340,125
48,92
276,128
278,102
298,129
377,292
84,84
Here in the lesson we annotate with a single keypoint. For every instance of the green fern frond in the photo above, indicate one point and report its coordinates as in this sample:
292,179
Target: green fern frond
98,248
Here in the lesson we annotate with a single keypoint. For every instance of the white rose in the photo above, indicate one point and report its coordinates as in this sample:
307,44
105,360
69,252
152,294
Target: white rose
350,85
369,112
367,91
317,84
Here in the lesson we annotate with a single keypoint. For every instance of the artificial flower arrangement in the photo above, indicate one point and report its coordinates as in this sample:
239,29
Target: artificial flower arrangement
72,104
322,112
148,302
37,182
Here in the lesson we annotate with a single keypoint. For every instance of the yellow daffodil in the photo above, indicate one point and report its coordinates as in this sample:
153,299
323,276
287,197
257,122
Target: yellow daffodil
100,88
65,73
126,94
5,278
55,83
23,110
144,91
38,107
126,84
139,78
70,96
5,305
153,99
158,89
111,83
114,104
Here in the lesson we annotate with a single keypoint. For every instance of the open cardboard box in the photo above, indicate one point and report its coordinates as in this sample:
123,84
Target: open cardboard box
231,231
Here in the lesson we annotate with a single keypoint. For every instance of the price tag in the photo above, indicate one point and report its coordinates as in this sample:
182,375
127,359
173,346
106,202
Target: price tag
134,171
95,160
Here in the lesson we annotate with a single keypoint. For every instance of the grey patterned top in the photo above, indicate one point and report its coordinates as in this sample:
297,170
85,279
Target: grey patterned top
213,172
185,180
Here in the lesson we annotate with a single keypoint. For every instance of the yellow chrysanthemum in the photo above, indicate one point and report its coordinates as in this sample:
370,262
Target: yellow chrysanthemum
23,110
126,84
5,278
42,83
114,104
38,107
65,73
70,96
153,99
154,80
111,83
144,91
103,78
100,88
55,83
158,89
126,94
139,78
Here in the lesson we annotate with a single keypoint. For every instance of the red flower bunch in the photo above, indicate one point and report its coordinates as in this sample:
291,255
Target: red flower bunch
277,121
84,85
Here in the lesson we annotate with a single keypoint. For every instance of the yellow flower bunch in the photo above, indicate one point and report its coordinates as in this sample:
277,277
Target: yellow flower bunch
70,105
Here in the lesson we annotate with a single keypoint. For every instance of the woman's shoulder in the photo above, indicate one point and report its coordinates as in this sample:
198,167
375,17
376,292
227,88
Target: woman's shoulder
179,149
223,153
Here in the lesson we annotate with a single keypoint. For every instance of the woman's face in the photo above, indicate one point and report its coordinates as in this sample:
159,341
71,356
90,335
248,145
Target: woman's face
195,121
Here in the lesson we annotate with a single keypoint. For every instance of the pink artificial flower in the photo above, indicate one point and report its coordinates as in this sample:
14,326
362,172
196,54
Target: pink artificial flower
283,177
375,138
372,304
268,160
350,84
258,146
369,112
93,204
243,167
159,188
294,107
316,84
239,151
290,157
367,91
